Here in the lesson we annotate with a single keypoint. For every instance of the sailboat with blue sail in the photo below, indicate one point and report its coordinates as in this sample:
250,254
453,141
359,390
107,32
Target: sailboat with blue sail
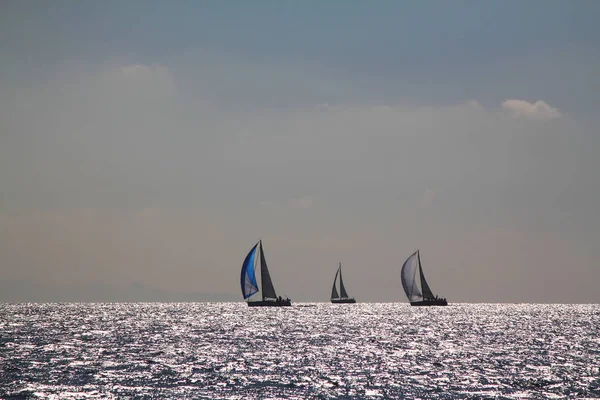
262,295
415,286
341,297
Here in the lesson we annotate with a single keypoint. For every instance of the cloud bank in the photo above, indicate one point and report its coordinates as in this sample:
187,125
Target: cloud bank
536,110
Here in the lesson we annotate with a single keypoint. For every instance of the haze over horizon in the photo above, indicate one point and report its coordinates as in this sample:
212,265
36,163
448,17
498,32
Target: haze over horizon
154,143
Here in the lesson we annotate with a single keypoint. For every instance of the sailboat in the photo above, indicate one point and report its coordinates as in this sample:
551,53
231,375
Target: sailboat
250,287
343,296
418,296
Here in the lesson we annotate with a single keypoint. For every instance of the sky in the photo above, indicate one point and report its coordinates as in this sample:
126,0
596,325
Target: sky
154,143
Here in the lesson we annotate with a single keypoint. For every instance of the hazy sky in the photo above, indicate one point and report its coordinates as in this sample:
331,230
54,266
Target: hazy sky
156,142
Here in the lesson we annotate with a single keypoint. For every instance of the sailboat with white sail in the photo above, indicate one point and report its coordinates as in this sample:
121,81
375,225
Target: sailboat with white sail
342,297
415,286
263,295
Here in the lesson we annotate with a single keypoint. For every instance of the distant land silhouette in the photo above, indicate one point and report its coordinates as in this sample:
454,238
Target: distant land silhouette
27,291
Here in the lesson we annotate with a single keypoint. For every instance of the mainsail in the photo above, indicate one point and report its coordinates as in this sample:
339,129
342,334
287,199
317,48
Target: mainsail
268,291
427,293
334,292
343,293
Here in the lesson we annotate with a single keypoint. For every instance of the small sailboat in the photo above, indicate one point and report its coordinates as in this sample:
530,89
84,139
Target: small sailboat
342,297
250,287
418,296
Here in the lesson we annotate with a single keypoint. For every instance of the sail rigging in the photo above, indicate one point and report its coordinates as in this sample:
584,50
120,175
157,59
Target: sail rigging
342,297
415,285
249,284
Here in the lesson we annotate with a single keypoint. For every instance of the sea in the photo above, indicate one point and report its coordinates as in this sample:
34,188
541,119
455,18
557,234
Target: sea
307,351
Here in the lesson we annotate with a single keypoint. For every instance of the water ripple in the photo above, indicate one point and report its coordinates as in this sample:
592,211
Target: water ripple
320,350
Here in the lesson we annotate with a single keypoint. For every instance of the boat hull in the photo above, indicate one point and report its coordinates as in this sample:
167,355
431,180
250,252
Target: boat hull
434,302
343,301
266,303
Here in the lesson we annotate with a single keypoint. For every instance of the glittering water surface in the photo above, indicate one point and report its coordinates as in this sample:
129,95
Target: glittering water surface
227,350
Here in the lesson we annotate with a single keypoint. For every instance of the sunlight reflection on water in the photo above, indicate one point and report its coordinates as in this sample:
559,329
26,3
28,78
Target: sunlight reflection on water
318,350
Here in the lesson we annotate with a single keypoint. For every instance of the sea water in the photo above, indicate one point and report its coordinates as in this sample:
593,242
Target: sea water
318,350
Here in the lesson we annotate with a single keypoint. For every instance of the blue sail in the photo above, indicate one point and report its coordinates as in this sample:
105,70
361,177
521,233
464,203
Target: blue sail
248,277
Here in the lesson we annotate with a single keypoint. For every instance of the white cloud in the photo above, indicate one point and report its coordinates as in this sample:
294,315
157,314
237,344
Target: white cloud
537,110
474,104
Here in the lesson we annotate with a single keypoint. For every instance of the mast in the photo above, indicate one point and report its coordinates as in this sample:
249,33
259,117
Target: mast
268,291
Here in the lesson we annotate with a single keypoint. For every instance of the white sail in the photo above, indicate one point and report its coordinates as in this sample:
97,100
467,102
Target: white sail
409,275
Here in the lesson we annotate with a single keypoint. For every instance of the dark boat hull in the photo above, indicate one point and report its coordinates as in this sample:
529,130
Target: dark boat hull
343,301
266,303
433,302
